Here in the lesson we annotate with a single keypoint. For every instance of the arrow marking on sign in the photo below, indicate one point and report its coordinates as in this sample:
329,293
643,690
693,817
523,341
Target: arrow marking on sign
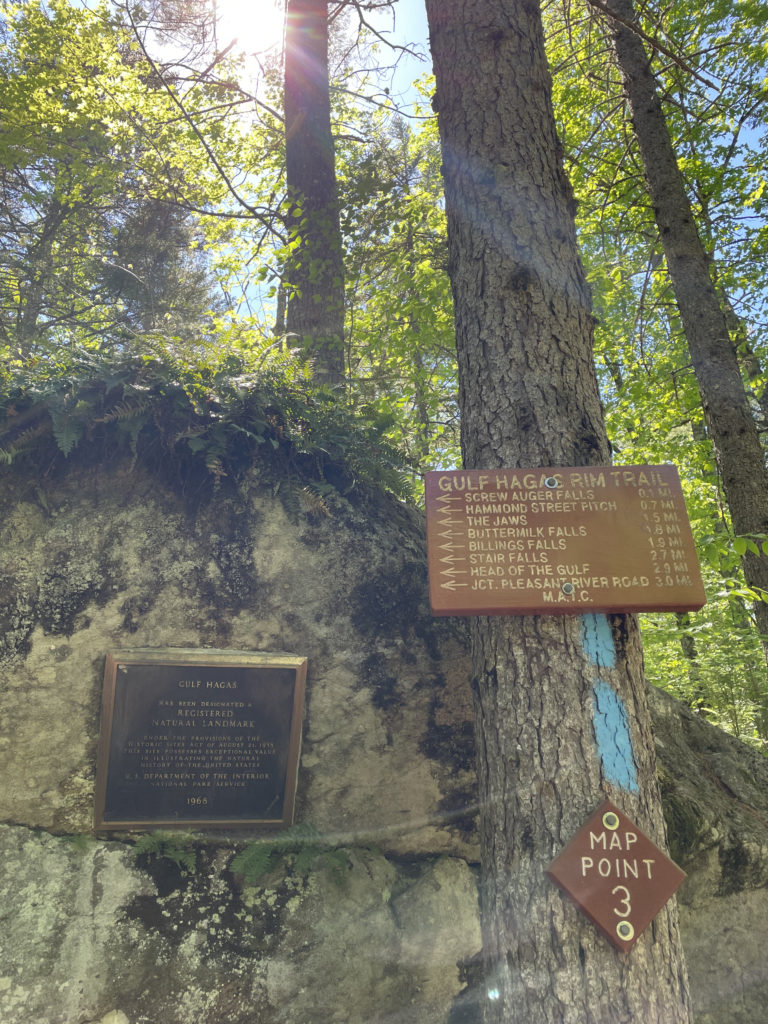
452,584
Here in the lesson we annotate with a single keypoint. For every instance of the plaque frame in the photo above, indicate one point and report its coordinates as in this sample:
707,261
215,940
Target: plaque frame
111,760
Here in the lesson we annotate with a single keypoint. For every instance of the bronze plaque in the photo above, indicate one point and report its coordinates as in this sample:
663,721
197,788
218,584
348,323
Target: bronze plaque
560,541
199,738
616,875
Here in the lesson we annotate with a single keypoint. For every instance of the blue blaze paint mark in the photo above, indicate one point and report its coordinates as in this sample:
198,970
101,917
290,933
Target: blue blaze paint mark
613,740
614,743
597,640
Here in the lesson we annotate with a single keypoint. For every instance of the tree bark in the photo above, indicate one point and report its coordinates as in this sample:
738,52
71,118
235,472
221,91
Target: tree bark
529,397
315,271
732,428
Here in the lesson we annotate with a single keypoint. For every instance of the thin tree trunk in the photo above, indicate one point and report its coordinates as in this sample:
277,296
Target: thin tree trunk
423,424
734,434
529,397
315,272
737,328
40,276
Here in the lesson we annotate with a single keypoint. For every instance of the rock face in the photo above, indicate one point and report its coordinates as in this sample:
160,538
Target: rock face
102,563
372,925
93,936
715,793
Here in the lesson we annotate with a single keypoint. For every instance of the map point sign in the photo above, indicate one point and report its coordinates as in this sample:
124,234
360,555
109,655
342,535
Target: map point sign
616,875
560,541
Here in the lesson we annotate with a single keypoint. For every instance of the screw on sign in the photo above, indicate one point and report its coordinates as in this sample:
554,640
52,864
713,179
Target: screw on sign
616,875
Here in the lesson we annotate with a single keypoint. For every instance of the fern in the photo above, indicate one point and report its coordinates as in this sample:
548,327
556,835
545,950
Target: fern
233,410
303,842
312,502
67,430
168,846
124,411
305,859
289,496
337,863
334,859
22,440
133,428
254,861
80,843
297,835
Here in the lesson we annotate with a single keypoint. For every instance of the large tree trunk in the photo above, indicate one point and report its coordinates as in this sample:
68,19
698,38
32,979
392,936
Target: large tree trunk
529,398
315,272
732,427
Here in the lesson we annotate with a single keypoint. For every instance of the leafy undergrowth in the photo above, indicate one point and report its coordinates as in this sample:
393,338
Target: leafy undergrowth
302,843
216,419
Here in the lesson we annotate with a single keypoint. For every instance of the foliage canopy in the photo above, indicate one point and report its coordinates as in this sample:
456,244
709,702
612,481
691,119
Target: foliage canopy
142,271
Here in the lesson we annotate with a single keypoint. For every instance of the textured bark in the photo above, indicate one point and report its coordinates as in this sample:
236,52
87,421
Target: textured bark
732,427
529,398
315,272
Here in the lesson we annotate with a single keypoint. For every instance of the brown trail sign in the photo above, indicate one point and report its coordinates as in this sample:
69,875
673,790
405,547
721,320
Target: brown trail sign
560,541
616,875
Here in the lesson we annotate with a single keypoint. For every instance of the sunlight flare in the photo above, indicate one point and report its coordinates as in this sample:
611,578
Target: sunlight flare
257,25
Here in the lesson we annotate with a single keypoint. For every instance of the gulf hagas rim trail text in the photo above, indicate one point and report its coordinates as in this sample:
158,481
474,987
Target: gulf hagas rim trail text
543,483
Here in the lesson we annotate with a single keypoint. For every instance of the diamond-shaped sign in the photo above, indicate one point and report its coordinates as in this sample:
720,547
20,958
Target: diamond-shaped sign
616,875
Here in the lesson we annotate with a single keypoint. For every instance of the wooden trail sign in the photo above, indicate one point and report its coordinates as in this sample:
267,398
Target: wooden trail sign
560,541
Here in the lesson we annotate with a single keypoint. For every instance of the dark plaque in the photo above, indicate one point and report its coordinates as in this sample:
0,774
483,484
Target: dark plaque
199,738
560,541
616,875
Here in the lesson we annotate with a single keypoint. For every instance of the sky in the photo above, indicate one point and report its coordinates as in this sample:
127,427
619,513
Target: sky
257,26
406,27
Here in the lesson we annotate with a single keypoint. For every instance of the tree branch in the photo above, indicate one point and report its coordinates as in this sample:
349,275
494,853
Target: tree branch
652,41
177,102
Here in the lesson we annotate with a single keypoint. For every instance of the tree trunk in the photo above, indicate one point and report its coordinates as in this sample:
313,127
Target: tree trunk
734,434
315,271
40,276
529,398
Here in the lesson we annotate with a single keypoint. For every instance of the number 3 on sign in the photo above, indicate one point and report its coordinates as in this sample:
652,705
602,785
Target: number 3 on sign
625,900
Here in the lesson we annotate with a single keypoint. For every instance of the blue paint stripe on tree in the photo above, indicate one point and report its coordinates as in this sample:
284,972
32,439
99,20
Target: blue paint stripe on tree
614,742
597,638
